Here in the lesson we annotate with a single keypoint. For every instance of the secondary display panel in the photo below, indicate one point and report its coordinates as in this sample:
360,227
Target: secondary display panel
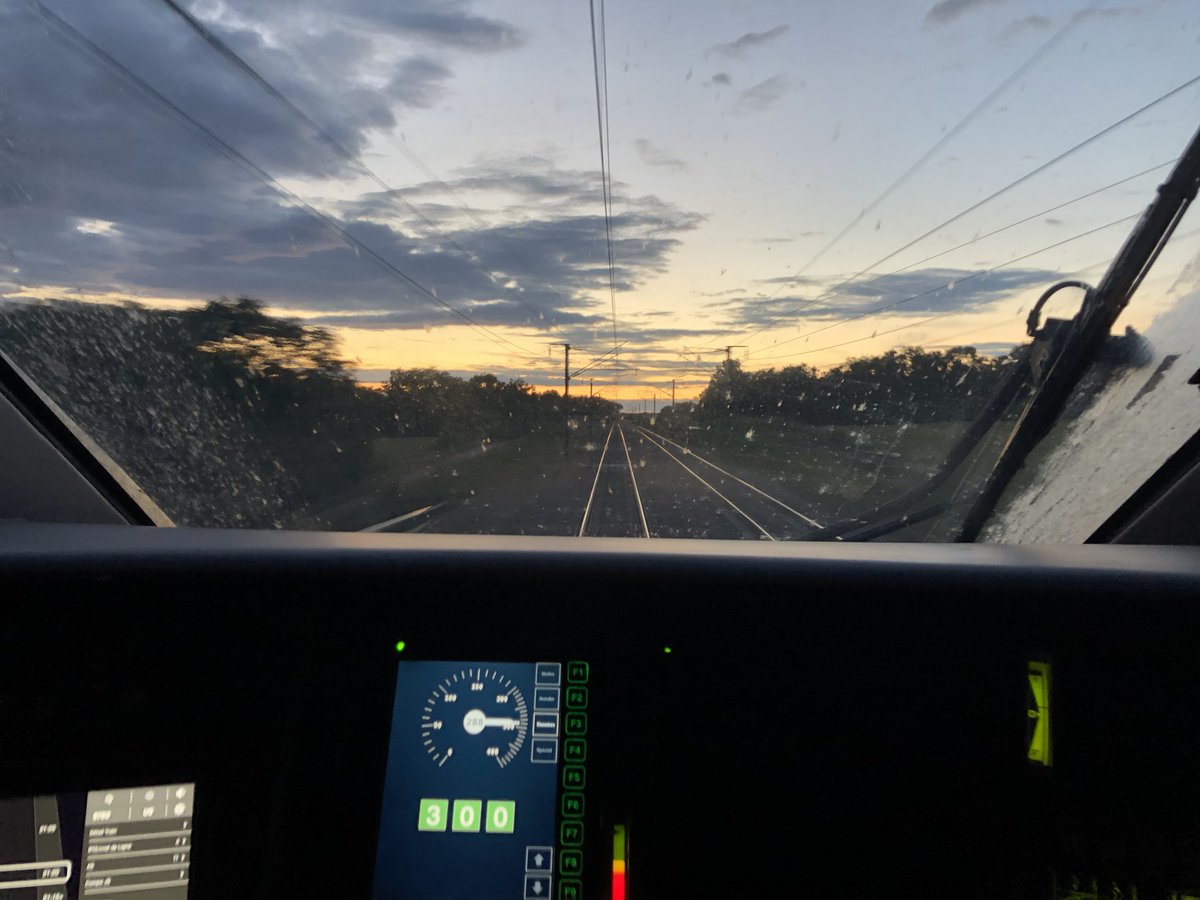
134,842
484,760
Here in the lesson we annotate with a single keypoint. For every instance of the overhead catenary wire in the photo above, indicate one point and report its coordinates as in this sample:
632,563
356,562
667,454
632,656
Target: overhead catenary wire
981,237
242,65
600,71
951,285
954,312
236,156
1075,148
591,364
951,134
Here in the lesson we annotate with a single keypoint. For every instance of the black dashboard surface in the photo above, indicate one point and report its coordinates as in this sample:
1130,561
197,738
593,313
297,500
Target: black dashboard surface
766,720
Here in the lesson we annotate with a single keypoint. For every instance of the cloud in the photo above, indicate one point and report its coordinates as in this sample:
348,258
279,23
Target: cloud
763,95
454,29
923,291
103,192
417,82
1029,23
1106,12
946,11
750,41
657,157
721,79
451,25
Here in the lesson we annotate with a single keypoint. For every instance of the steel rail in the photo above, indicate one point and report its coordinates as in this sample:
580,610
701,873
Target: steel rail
587,510
702,480
692,453
637,495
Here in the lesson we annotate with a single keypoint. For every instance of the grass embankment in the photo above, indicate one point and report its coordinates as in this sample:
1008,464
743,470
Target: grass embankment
832,470
406,474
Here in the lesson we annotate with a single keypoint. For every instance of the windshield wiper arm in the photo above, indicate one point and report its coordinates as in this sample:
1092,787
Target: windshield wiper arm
1085,334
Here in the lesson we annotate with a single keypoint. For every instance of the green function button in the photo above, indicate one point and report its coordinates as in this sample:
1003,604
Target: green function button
501,816
467,814
577,672
570,862
572,805
576,723
575,750
570,889
570,834
574,777
432,815
577,697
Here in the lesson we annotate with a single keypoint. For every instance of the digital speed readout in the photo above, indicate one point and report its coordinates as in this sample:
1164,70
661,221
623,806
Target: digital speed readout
471,791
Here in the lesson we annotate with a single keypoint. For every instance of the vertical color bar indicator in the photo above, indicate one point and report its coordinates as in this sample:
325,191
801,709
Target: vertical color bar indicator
619,872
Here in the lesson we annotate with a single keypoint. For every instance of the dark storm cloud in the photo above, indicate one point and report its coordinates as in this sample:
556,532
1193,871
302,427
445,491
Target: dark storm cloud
924,291
763,95
450,24
102,190
948,10
747,42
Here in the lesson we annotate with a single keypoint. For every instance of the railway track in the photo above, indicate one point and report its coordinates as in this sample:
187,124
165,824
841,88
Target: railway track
678,493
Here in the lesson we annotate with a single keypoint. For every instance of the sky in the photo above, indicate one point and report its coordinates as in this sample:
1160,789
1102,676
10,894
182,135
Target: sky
424,177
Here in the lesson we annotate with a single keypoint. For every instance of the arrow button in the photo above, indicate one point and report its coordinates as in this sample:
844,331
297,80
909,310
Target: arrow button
537,887
539,859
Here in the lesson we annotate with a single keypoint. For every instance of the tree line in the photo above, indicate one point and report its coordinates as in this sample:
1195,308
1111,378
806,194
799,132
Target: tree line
227,415
909,384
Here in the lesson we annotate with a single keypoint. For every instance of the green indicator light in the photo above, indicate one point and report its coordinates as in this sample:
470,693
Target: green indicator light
666,650
1038,733
400,645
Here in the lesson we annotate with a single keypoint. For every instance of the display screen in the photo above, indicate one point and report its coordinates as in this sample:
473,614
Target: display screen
134,842
471,799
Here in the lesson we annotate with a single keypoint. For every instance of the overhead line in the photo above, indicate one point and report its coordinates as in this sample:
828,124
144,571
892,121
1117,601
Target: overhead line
992,233
241,159
1043,167
599,359
601,116
222,47
946,286
951,285
1023,221
958,312
988,199
958,128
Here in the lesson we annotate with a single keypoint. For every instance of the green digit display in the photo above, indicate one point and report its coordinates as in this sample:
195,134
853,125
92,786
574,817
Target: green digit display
467,814
432,815
501,816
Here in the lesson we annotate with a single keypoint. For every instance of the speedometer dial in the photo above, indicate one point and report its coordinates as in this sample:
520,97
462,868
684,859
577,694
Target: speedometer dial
475,711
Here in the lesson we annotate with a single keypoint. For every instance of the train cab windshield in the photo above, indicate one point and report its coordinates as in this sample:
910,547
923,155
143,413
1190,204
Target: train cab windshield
544,455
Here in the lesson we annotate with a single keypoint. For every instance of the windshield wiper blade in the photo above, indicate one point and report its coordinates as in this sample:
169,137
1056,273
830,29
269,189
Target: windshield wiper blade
1052,365
1082,337
893,515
